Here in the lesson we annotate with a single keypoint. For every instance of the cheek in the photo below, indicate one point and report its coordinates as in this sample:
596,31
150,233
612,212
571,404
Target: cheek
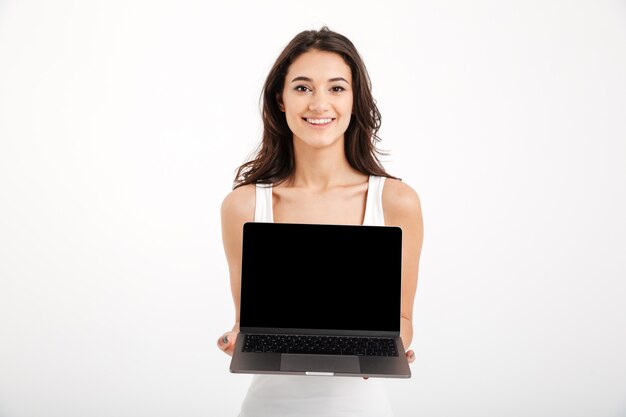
292,107
348,107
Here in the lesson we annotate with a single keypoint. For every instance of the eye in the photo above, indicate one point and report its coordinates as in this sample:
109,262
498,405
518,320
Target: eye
337,89
302,88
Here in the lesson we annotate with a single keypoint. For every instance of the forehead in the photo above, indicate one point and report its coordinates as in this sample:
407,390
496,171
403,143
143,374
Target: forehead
319,65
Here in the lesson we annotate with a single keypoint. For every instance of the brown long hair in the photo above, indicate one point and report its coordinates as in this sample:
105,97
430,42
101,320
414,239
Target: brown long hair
274,161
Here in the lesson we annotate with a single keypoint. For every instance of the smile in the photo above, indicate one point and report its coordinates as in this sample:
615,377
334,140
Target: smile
319,122
324,121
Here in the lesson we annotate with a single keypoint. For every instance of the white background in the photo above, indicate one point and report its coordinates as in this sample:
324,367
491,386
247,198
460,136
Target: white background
122,123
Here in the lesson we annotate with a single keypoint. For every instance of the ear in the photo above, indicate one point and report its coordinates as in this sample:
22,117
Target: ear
279,100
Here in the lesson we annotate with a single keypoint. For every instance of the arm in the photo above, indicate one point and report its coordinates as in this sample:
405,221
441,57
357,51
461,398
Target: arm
406,331
402,207
237,208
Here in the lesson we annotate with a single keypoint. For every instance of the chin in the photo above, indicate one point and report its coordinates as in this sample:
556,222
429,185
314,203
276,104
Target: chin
319,143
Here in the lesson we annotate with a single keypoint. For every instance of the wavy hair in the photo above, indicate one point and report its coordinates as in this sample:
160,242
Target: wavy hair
273,162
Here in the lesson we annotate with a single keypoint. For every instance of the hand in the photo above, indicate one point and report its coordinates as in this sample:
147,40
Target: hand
410,356
226,342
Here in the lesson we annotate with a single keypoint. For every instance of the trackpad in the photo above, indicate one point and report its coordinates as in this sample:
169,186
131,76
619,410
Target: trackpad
319,363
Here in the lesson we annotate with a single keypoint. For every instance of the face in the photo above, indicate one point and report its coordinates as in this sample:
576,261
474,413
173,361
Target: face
317,98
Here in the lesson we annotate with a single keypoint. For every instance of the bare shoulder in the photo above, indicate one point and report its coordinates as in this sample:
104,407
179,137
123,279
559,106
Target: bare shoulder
400,202
238,205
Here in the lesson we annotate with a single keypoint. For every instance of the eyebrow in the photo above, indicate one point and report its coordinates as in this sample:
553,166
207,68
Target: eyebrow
307,79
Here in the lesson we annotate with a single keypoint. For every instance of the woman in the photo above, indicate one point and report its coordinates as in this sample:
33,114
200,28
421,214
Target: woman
317,163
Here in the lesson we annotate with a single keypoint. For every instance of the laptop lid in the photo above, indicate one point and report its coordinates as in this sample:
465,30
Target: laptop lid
343,279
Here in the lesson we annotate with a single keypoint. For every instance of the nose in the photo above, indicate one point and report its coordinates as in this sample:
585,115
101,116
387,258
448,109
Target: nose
319,103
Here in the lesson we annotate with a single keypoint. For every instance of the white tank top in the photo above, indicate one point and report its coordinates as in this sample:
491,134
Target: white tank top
263,211
320,396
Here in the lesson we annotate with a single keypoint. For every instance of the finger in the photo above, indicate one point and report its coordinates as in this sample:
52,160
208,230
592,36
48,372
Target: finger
410,355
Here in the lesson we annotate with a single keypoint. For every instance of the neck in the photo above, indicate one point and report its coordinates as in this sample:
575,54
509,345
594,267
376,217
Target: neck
323,168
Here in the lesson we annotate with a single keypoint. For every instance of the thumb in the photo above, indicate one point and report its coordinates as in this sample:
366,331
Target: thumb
224,341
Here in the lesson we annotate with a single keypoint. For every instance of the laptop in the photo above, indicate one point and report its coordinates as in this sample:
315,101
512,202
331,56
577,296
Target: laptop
320,299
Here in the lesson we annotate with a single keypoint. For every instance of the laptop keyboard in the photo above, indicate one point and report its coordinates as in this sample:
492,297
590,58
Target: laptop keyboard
322,345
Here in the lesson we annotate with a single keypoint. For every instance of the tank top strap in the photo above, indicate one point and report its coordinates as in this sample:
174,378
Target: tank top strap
263,210
374,215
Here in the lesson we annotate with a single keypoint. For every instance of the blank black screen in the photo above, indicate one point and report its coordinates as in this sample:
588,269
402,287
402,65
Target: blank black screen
342,277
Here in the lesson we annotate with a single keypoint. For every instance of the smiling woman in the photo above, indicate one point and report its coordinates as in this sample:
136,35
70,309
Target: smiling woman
318,163
274,161
317,109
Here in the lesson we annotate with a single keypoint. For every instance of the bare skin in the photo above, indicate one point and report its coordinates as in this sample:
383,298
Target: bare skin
324,187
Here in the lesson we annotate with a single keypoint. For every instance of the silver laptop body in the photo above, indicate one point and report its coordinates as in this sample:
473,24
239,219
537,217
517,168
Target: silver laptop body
320,299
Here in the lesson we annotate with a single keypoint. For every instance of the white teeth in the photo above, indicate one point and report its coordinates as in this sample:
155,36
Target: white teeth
319,121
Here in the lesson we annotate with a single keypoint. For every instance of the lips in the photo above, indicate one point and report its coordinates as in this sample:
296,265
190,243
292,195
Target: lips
321,121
